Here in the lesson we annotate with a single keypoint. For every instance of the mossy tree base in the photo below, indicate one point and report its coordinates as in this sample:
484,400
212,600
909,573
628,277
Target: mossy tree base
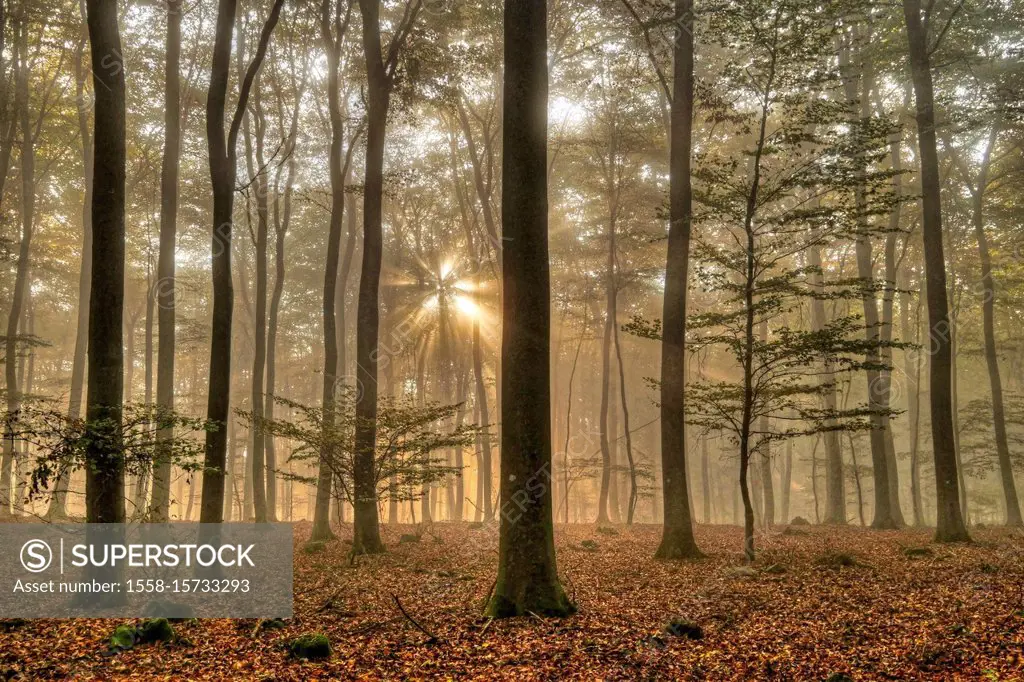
541,600
677,548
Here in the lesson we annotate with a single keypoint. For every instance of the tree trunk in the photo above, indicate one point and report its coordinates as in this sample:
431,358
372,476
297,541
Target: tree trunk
912,369
104,471
787,480
1013,514
885,514
604,512
223,162
164,288
835,480
366,539
257,454
765,426
527,579
333,34
24,253
950,522
677,539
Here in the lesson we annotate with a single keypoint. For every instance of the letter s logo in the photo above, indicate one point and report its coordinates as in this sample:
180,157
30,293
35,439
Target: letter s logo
36,556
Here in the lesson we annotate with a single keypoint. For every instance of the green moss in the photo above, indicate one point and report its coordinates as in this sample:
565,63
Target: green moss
310,646
156,630
408,538
124,637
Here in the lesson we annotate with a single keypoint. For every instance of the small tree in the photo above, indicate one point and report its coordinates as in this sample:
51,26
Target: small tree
61,443
408,435
786,187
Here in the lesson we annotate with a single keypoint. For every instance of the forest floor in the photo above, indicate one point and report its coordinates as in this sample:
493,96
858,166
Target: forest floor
820,602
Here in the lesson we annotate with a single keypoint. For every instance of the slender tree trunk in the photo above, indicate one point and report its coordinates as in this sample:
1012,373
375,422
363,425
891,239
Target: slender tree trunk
604,512
885,515
705,476
164,289
332,33
912,369
257,454
627,436
886,329
223,165
677,539
787,480
950,522
765,426
1013,513
835,480
24,253
486,473
527,575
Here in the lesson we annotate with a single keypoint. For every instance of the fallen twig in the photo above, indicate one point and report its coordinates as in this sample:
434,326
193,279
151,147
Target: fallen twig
433,638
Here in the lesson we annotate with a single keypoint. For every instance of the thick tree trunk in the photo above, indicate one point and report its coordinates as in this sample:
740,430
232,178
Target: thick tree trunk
366,523
527,579
104,471
677,540
950,522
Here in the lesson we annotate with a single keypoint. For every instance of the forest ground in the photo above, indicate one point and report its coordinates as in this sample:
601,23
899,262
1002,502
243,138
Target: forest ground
822,601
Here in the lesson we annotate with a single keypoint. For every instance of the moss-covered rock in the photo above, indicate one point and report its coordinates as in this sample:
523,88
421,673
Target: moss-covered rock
836,560
606,530
155,630
799,521
589,545
311,646
124,637
407,538
679,627
918,552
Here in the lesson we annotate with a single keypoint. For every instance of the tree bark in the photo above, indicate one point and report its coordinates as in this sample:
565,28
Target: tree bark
223,165
104,471
18,298
677,539
159,506
988,303
885,514
835,480
527,579
950,522
366,522
332,34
